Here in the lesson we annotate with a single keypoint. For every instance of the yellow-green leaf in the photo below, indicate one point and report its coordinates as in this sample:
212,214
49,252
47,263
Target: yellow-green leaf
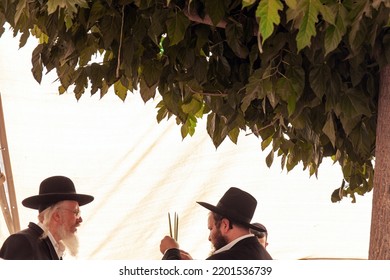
120,90
291,3
246,3
266,142
233,134
268,14
336,31
307,28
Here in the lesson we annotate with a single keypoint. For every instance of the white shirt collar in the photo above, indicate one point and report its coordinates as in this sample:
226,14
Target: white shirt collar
60,249
232,243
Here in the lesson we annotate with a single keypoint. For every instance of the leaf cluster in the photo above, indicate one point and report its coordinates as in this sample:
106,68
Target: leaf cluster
302,75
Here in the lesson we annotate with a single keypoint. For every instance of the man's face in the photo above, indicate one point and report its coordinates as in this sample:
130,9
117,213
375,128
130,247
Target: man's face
215,237
263,241
70,213
70,220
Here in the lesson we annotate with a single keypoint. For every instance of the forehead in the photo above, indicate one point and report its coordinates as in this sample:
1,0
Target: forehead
210,220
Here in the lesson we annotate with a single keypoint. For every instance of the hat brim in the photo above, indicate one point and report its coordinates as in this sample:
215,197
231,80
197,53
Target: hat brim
222,212
37,201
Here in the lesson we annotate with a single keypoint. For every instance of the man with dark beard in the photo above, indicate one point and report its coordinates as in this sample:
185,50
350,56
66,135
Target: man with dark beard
229,223
59,216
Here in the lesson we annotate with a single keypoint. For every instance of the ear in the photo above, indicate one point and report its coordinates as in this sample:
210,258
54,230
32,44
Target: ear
56,216
225,225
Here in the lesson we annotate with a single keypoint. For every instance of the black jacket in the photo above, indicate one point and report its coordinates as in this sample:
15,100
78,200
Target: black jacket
245,249
28,244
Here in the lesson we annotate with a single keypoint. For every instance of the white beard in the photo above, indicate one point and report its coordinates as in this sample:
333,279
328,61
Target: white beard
70,241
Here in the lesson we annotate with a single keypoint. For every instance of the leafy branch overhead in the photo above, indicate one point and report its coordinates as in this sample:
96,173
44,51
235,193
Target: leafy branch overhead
302,75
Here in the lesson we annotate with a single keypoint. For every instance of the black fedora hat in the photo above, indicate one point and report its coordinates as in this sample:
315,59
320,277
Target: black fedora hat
55,189
237,205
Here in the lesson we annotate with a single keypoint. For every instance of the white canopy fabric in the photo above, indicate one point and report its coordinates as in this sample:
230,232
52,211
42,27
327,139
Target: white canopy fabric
139,170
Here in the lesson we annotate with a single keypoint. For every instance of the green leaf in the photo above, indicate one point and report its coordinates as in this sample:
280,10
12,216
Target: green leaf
283,88
319,76
327,13
162,112
37,66
291,3
61,90
68,21
96,74
291,104
272,97
103,89
106,26
337,195
88,51
120,90
151,72
355,103
329,129
66,74
70,5
98,10
268,14
358,28
335,32
265,143
202,38
290,89
215,129
193,107
349,124
332,38
156,30
270,158
234,33
176,27
247,3
200,70
292,161
188,127
147,92
254,90
233,134
216,10
21,8
81,82
362,141
307,29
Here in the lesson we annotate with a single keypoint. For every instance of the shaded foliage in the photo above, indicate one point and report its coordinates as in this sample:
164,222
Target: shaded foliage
302,75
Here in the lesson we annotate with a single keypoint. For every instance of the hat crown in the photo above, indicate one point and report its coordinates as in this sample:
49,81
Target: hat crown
235,204
238,205
57,185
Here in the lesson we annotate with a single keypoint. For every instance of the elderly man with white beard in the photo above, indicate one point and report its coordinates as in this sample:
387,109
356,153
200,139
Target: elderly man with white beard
59,216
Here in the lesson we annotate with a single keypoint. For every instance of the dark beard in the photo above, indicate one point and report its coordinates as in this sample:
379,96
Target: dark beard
220,241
